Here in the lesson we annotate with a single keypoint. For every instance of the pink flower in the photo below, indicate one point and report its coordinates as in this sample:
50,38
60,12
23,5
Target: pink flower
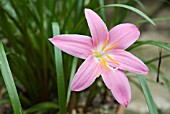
104,55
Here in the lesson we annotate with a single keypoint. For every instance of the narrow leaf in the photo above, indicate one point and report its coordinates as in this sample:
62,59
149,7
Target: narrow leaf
140,4
130,8
60,74
9,82
101,3
147,94
41,107
154,19
156,43
73,70
157,58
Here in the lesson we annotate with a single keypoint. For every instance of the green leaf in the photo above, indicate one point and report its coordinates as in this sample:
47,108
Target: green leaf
9,82
4,101
156,43
41,107
130,8
140,4
147,94
73,70
101,3
154,19
60,74
157,58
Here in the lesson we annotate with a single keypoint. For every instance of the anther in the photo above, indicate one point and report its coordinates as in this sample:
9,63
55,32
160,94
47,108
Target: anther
105,64
106,42
112,59
114,45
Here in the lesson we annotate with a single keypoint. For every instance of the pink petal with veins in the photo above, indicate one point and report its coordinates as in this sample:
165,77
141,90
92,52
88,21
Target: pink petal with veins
97,27
86,74
123,34
75,45
117,82
128,62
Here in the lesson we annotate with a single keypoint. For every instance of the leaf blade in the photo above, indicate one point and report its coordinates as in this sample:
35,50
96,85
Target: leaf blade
150,42
9,82
60,73
73,70
130,8
147,94
44,106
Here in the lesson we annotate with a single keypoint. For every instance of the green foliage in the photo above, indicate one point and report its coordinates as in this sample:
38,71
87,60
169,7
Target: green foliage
132,9
25,27
147,94
73,70
155,43
60,74
9,82
41,107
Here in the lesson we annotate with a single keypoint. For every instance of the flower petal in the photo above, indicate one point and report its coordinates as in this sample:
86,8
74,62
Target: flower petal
76,45
117,82
128,62
123,34
97,27
86,74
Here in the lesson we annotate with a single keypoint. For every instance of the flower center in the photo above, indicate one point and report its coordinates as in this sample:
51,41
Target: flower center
102,55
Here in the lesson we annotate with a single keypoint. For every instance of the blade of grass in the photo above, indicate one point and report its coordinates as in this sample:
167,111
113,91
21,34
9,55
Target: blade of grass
60,74
140,4
124,13
130,8
41,9
4,101
79,7
156,43
154,19
147,94
73,70
41,107
116,10
157,58
9,82
101,3
68,16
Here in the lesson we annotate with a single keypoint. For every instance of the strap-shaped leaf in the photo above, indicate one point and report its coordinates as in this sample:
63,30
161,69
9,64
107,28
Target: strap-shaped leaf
150,42
73,70
9,81
60,73
130,8
147,94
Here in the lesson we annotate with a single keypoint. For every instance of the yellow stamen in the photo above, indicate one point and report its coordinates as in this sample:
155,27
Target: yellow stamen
103,62
112,59
96,52
114,45
107,39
